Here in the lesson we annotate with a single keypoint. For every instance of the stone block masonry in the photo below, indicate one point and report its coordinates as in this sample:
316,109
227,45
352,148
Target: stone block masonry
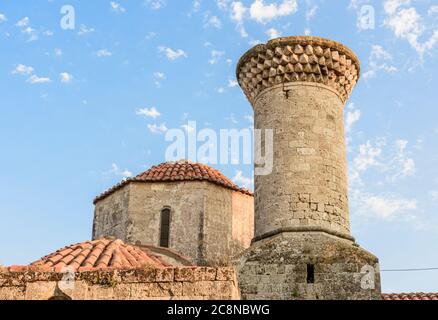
298,87
188,283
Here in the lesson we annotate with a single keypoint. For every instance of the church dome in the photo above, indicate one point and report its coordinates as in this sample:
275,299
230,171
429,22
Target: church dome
178,171
109,253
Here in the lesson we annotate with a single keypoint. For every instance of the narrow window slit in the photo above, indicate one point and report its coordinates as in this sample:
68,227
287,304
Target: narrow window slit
310,273
165,228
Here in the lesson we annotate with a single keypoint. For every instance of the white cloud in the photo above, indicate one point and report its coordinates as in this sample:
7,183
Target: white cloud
212,22
273,33
379,60
238,11
222,4
263,13
103,53
65,77
232,118
240,179
23,70
408,24
432,10
23,22
404,165
155,4
215,56
173,54
34,79
386,207
116,7
249,118
157,129
58,52
148,112
393,162
368,156
3,18
83,29
115,170
158,78
232,83
311,12
220,90
351,118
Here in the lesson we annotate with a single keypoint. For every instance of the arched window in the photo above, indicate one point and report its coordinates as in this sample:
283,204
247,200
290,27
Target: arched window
165,228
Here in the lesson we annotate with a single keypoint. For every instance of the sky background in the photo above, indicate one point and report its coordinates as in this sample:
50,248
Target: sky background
82,109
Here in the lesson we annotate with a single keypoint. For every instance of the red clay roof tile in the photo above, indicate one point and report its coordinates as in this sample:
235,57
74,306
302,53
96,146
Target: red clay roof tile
410,296
178,171
106,254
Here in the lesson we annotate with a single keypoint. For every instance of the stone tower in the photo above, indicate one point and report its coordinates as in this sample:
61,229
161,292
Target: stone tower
303,248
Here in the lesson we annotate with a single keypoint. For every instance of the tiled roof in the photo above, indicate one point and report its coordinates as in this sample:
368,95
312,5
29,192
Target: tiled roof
178,171
410,296
108,254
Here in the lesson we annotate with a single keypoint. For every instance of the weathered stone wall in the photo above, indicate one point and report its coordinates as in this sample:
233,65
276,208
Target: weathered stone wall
276,269
145,284
308,185
111,215
228,225
204,223
243,222
185,201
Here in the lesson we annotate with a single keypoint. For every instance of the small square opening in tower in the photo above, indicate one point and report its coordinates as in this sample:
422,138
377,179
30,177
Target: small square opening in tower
310,273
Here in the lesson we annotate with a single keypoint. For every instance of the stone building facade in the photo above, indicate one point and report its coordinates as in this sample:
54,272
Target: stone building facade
298,87
211,219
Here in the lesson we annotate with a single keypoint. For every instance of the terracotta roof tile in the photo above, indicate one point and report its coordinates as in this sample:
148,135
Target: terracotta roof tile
178,171
410,296
108,254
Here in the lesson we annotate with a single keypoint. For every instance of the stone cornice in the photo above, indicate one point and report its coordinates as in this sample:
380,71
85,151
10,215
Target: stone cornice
299,58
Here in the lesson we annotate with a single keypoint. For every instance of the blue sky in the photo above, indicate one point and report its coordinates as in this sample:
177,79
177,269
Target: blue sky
81,109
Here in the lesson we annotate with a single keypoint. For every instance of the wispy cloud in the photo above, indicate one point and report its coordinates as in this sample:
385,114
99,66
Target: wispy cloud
23,69
65,77
155,4
34,79
211,21
116,171
3,17
406,23
159,77
116,7
103,53
245,182
83,29
215,56
172,54
157,129
379,60
148,112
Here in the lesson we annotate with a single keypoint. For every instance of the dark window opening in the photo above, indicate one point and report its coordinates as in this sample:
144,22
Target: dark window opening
310,273
165,228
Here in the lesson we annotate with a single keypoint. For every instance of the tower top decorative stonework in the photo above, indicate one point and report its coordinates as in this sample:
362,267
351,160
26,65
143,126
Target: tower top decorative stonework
298,58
